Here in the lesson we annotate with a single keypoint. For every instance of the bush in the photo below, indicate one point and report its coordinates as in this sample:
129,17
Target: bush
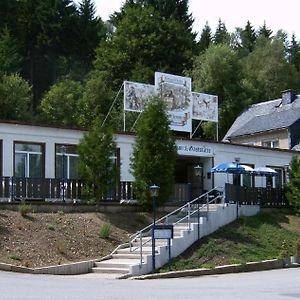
25,209
293,186
284,252
297,248
105,230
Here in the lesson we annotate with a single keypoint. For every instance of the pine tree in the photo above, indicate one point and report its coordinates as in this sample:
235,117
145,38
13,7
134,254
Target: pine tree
205,38
294,53
96,166
154,154
221,35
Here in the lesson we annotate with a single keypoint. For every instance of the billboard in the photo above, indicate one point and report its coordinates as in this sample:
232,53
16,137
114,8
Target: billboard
205,107
183,105
136,95
176,92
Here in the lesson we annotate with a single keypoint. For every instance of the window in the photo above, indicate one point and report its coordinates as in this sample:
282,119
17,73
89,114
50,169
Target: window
271,144
28,160
66,162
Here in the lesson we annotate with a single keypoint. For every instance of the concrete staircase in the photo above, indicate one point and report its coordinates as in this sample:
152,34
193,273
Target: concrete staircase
190,223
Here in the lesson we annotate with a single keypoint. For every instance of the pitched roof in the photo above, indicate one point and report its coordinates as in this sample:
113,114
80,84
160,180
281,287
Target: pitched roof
265,116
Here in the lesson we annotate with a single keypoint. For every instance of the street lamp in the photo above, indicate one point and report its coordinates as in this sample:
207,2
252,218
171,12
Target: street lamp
154,189
63,153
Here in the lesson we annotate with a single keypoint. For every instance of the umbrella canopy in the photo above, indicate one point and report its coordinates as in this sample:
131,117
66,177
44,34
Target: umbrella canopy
247,169
264,171
228,168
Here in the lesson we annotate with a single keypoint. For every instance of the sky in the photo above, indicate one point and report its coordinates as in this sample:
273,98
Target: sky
277,14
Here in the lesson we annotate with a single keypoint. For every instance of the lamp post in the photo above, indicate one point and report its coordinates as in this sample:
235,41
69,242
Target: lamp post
63,152
154,189
198,172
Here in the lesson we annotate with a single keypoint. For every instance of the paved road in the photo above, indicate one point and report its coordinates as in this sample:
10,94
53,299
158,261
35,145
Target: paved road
277,284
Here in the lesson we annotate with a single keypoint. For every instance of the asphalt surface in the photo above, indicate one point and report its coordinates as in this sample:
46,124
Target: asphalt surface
276,284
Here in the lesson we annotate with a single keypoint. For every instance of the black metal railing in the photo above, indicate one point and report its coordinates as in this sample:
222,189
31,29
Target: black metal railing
266,197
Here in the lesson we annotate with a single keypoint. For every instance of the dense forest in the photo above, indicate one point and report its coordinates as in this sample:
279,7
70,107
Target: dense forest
61,64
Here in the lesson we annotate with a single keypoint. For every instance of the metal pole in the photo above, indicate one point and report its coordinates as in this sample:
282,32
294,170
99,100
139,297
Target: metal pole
198,217
153,239
63,151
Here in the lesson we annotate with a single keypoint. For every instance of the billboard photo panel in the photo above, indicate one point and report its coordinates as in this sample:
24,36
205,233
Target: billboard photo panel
136,95
205,107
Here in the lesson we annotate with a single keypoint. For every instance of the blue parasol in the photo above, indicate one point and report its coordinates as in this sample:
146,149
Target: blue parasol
229,168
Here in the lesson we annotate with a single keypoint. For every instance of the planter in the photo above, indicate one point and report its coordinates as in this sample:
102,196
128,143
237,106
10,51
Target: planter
295,259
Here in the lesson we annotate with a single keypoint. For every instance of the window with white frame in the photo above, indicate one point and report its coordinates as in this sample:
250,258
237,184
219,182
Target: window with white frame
28,160
271,144
66,162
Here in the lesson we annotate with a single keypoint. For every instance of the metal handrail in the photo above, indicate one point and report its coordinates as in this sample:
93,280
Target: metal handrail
146,230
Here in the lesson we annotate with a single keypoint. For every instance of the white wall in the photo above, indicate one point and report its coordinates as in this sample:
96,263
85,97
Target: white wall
204,151
9,133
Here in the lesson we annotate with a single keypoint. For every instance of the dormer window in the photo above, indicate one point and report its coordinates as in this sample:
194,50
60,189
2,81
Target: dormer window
271,144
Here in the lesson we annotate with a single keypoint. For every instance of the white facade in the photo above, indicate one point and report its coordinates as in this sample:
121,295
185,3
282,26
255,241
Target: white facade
193,152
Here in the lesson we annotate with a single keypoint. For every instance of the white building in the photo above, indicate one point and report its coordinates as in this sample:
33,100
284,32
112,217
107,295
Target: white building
36,152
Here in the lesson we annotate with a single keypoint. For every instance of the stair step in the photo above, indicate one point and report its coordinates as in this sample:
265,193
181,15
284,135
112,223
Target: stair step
126,256
146,250
117,263
110,270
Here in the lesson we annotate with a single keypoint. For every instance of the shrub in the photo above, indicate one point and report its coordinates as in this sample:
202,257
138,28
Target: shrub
61,247
284,252
25,209
297,248
105,230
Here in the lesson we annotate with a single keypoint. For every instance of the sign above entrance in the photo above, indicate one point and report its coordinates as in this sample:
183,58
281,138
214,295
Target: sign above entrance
188,149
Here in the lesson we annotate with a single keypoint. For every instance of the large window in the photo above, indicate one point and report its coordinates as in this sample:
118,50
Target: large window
29,160
66,162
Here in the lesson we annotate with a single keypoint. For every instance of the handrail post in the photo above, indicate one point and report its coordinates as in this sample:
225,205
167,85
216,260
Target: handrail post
189,215
207,204
198,217
141,248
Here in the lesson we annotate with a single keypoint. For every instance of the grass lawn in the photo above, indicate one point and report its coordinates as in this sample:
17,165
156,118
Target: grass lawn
247,239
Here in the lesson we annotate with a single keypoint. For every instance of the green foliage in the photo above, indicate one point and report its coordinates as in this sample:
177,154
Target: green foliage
267,72
105,230
95,102
96,166
218,71
10,59
25,209
293,185
296,248
256,238
154,154
15,97
284,251
60,105
143,42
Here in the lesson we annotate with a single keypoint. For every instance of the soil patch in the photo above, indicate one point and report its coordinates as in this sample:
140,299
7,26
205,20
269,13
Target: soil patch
44,239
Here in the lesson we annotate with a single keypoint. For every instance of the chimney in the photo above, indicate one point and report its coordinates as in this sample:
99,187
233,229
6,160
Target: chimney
288,96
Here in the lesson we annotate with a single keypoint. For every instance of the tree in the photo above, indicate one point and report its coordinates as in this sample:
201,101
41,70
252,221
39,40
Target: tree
221,35
60,105
293,186
294,53
95,102
205,38
10,60
91,30
218,71
248,38
15,97
267,71
154,154
96,166
144,42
